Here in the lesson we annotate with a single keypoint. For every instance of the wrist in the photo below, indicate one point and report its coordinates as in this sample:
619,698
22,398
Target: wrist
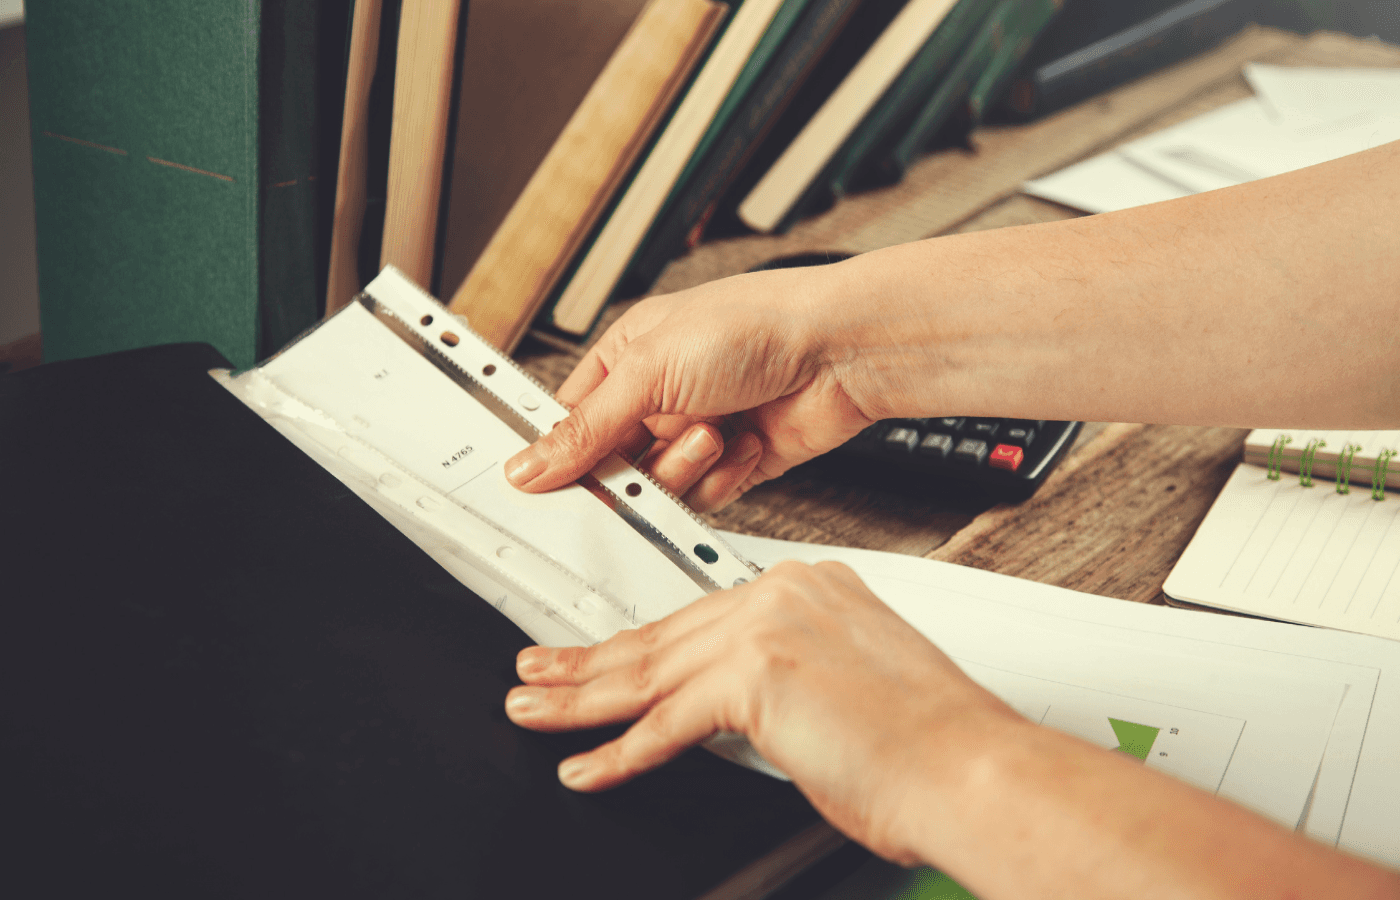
966,771
885,332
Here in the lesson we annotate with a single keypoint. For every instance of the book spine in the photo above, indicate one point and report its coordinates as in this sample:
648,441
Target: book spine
1001,29
605,260
379,125
184,213
801,174
303,48
847,48
681,225
902,100
563,201
1168,37
423,90
454,105
342,276
994,80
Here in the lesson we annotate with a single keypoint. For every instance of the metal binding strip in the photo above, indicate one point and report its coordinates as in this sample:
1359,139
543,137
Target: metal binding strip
494,379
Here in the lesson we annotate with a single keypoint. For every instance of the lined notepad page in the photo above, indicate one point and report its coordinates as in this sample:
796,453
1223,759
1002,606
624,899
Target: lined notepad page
1302,554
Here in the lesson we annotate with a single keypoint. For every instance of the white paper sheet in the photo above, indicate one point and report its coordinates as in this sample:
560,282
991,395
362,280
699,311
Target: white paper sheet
383,394
1356,800
1104,183
1299,117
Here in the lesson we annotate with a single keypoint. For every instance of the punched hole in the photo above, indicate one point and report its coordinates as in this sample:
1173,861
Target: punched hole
633,489
449,339
426,320
706,553
488,369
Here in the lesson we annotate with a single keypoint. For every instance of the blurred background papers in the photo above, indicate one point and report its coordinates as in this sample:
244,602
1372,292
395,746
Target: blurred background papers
1298,117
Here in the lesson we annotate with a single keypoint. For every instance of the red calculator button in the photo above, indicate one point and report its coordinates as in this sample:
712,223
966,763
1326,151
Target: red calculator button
1006,457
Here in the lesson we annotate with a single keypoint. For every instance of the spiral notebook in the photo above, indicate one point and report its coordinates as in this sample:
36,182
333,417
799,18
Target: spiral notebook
1305,531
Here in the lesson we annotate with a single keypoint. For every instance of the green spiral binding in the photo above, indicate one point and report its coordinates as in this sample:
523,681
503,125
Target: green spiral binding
1378,474
1276,455
1306,463
1344,467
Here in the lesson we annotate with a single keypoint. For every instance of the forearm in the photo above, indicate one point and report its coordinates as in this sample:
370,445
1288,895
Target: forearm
1273,303
1042,814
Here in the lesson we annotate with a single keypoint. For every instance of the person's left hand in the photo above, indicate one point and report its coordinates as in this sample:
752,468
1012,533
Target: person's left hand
867,717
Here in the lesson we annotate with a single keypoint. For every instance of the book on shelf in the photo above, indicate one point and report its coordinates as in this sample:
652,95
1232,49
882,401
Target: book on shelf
1067,71
527,66
571,189
903,99
774,76
604,261
789,186
427,76
363,61
402,78
847,47
191,211
974,82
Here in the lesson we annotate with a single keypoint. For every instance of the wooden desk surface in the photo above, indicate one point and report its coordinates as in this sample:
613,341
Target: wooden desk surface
1113,519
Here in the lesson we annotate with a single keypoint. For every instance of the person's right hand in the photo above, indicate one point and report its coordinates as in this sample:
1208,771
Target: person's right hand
735,382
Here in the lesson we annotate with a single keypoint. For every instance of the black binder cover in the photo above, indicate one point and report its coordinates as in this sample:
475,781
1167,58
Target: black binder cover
226,676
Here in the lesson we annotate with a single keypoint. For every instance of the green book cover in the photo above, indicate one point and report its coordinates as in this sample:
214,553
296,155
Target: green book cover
1017,43
1002,40
768,45
912,87
175,174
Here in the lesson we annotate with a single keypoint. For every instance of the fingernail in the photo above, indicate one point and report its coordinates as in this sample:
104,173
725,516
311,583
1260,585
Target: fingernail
699,445
522,702
522,468
531,661
572,770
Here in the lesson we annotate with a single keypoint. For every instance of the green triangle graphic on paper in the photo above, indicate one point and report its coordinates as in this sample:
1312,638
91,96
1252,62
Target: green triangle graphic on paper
1134,739
930,885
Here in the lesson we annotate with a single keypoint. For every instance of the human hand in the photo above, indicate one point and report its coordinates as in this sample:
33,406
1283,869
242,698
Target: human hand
865,715
734,381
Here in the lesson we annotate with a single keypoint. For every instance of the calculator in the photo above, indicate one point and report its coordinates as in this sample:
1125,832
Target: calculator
1006,459
1003,458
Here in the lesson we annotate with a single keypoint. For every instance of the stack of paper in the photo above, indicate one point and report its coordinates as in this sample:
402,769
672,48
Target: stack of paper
1298,117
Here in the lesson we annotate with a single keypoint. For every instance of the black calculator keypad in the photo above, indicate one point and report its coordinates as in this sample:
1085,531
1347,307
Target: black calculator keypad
1004,458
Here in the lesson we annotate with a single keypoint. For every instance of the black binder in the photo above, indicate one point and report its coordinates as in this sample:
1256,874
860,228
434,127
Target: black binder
224,675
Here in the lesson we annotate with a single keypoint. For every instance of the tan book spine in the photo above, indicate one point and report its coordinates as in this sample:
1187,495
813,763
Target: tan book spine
602,266
563,199
343,279
418,139
782,185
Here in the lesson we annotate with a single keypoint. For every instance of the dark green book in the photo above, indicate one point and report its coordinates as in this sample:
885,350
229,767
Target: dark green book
975,80
904,98
1075,61
178,169
851,42
778,73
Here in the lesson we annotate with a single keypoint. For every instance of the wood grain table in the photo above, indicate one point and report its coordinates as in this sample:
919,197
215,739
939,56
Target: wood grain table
1116,515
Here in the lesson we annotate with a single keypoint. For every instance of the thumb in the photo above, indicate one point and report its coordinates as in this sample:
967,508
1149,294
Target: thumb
601,422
